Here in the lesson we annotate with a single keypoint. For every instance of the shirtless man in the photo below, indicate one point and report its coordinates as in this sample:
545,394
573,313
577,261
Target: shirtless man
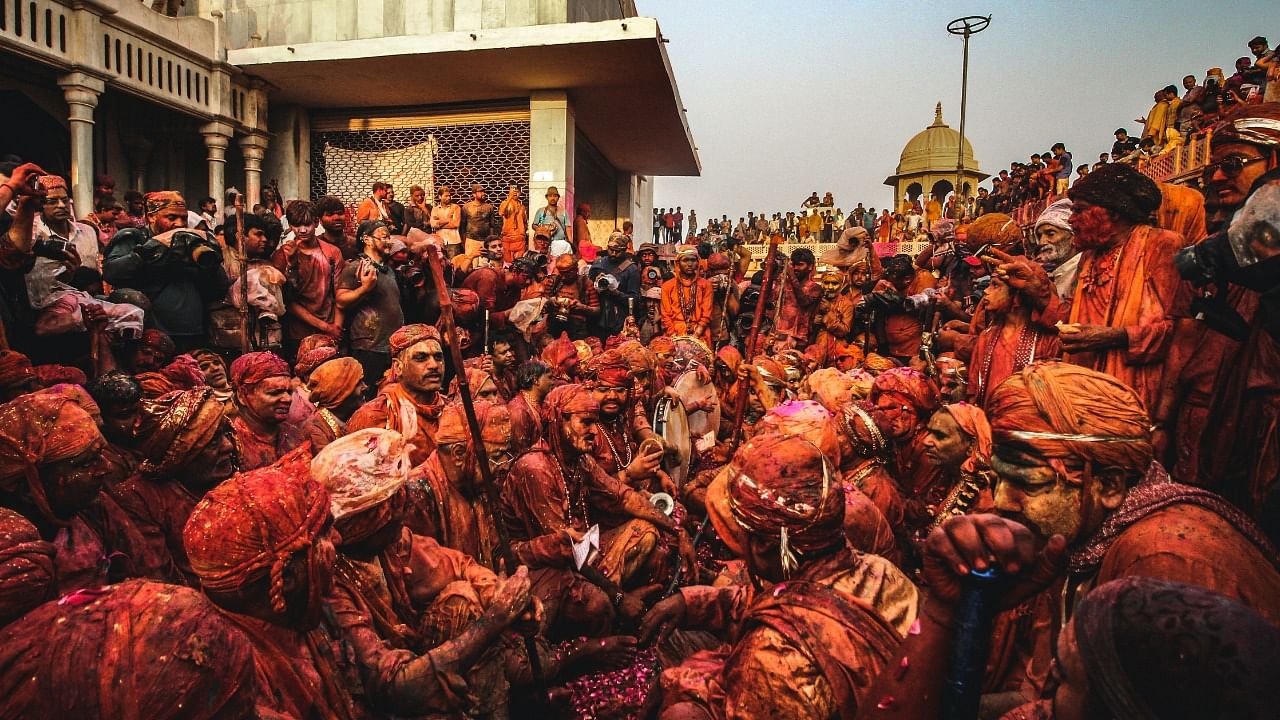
480,220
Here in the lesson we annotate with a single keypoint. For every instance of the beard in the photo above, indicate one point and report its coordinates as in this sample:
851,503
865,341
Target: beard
1093,228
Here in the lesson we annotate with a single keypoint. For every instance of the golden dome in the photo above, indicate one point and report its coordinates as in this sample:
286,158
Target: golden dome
934,149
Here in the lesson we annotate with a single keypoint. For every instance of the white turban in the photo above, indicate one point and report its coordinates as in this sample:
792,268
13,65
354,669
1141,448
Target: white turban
1058,215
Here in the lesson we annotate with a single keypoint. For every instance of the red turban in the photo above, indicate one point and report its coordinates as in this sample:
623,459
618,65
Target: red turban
252,368
559,353
333,381
610,369
160,341
15,369
176,427
1065,410
717,262
638,357
313,359
250,526
314,342
409,335
910,386
140,650
37,429
662,345
974,423
184,372
50,375
26,566
785,488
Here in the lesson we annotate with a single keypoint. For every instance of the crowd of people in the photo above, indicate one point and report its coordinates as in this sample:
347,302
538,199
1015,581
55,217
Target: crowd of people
1168,125
300,461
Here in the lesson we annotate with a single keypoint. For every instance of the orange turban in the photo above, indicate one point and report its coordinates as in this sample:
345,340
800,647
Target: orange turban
26,566
37,429
252,368
250,526
176,427
993,229
974,423
333,381
1065,410
798,418
876,364
831,387
1182,211
494,419
315,342
409,335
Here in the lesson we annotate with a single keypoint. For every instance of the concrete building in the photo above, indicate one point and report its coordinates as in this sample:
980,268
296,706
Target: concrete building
326,96
928,165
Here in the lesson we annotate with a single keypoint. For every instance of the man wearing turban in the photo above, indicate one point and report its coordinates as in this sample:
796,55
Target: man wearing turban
179,270
424,622
446,493
623,426
411,405
553,498
574,298
138,649
958,441
810,646
907,399
336,388
1118,320
264,391
853,439
1072,450
188,448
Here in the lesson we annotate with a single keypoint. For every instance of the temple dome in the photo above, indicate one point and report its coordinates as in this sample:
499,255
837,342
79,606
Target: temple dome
934,149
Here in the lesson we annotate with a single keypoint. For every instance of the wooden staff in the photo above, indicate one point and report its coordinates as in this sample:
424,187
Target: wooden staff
740,410
503,550
245,344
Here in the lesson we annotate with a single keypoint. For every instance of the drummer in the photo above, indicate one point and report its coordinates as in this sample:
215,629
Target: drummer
620,444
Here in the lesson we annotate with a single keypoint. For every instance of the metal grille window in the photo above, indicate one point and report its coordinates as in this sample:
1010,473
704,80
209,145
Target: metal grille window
346,163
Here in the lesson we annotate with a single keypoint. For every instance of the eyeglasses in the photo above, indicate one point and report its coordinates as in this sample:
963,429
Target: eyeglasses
1231,166
57,201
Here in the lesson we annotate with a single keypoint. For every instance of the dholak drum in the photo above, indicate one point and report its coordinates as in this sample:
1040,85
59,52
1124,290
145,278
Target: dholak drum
672,425
703,424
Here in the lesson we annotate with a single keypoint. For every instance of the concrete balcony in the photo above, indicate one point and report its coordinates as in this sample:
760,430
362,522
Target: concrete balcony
172,61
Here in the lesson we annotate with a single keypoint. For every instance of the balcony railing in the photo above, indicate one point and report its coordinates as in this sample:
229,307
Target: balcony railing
1178,167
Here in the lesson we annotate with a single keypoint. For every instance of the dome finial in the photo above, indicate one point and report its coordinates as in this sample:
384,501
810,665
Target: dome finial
937,115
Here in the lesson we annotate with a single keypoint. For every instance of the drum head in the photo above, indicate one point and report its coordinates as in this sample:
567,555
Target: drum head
672,425
692,390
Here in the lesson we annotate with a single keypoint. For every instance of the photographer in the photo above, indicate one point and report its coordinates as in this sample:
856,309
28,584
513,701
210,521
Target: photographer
617,280
179,270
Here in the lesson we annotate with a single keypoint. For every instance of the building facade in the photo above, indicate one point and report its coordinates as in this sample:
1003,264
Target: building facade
928,166
327,96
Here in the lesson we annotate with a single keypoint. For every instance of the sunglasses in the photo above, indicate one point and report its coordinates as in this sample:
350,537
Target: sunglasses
1231,166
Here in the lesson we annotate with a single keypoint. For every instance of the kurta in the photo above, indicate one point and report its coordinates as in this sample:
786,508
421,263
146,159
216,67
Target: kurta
395,409
526,424
686,307
1130,286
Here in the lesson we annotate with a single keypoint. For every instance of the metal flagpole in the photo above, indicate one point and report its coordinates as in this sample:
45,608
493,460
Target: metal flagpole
965,26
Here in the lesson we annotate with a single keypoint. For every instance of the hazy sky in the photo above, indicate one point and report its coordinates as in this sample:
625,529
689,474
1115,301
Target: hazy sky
787,97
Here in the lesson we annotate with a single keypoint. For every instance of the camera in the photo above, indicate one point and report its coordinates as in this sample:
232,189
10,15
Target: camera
607,283
652,274
196,248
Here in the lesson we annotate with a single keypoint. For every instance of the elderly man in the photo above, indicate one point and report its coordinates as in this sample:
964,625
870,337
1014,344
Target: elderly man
1072,448
593,543
907,400
337,389
1055,249
1118,319
180,273
686,299
264,390
958,440
811,645
446,493
411,405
